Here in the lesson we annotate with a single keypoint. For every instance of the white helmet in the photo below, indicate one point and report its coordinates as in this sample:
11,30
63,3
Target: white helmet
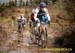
33,10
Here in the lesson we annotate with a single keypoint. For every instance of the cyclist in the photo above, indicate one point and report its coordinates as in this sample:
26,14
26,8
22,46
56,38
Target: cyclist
32,20
42,15
21,21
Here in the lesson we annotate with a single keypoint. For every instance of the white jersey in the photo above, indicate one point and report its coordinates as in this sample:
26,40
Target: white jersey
23,19
36,12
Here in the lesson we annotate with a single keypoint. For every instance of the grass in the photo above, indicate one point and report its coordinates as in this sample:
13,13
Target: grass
4,20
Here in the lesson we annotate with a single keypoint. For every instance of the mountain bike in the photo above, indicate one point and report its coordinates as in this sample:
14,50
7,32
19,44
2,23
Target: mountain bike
20,31
20,27
32,30
41,36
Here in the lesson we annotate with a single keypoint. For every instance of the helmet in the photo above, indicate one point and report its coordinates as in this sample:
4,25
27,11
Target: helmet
33,10
42,5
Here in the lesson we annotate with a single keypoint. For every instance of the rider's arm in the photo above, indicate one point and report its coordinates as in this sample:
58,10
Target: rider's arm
35,15
47,13
30,18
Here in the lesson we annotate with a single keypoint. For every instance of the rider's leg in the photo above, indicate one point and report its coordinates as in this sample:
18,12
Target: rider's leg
18,28
36,32
44,31
36,28
45,27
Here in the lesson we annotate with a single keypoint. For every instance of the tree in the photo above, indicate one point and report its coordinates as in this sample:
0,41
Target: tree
10,4
15,2
0,4
3,5
21,3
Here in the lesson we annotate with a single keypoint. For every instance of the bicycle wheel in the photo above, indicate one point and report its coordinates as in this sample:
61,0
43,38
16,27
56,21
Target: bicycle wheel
45,37
40,43
19,29
32,31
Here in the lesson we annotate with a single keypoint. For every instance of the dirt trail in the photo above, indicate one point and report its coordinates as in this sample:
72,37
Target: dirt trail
13,46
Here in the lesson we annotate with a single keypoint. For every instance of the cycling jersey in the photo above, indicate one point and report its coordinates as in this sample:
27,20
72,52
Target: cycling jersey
21,20
37,11
32,17
42,16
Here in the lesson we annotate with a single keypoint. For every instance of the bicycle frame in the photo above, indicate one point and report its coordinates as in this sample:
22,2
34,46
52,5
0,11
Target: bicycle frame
42,27
42,34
